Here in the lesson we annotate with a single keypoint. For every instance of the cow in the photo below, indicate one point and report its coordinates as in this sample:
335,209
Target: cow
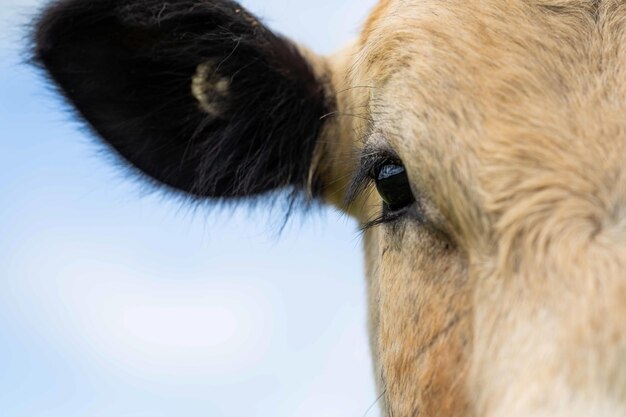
481,145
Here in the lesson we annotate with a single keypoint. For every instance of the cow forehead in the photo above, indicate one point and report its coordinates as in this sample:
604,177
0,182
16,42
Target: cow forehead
531,42
484,95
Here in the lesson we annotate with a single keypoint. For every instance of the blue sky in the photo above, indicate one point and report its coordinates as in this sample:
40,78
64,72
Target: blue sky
118,302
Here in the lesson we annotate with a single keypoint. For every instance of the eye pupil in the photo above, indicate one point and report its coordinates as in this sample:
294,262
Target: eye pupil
393,186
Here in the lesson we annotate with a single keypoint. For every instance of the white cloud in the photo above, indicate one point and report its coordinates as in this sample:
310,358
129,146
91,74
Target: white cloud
213,328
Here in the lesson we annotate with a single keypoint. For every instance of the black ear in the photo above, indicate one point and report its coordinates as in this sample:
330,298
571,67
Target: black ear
197,94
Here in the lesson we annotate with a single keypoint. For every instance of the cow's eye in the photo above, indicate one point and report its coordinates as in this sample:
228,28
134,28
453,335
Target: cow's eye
393,186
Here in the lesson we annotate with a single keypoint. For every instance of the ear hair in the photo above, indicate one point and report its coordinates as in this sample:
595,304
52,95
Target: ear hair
197,94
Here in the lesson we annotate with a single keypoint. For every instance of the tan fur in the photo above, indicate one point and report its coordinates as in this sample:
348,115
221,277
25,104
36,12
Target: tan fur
510,117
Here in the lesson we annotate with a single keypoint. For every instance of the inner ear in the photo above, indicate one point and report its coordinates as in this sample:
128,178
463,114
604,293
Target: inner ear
197,94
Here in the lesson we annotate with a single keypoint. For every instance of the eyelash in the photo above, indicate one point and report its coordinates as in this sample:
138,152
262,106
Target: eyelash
370,165
383,218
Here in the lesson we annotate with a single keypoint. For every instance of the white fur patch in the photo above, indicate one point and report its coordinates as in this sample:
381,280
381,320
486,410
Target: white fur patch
210,89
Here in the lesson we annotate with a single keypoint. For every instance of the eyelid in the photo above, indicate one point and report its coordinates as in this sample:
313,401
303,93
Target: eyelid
372,157
370,160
